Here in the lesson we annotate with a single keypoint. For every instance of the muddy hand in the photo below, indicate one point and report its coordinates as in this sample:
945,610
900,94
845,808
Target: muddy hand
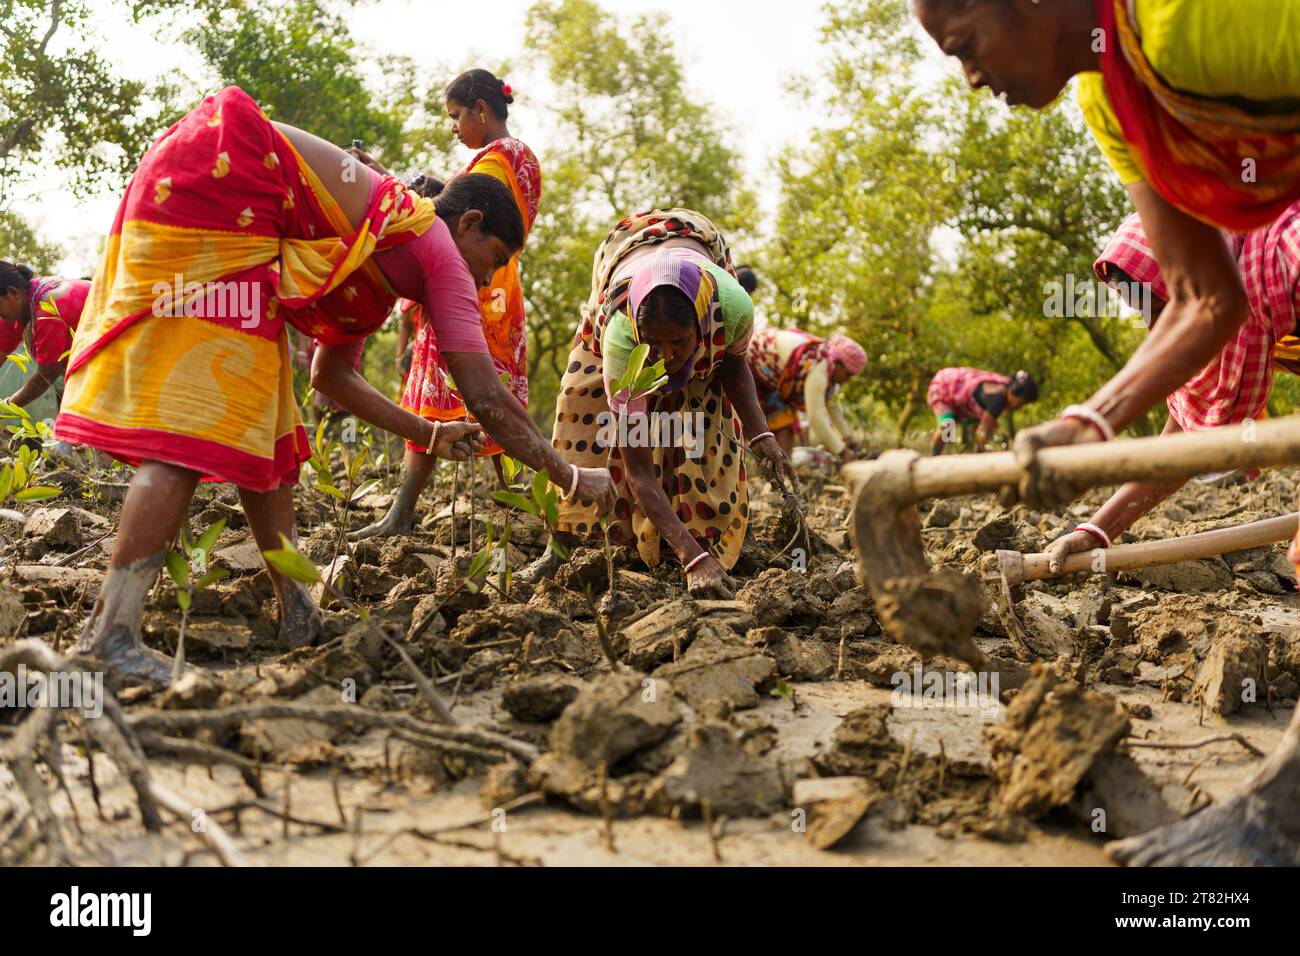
596,485
1076,542
459,441
1041,487
707,581
776,467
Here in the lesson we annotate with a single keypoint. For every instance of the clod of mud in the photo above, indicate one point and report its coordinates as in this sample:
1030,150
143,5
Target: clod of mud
1205,576
12,611
1234,669
934,614
834,806
541,698
569,779
504,782
613,717
1132,804
715,768
57,529
1055,733
663,632
1046,630
782,598
795,657
194,690
586,568
719,668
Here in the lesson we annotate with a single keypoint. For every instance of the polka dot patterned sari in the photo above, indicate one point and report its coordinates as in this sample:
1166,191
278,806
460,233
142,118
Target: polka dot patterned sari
702,476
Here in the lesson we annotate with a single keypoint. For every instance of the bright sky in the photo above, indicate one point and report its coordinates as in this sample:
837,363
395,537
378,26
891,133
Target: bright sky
738,54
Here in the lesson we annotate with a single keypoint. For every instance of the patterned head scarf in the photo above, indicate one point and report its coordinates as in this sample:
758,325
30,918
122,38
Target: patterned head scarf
1130,252
843,350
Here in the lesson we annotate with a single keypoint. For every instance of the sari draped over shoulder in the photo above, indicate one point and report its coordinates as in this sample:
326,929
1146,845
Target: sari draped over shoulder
1235,385
780,361
430,391
702,474
223,236
1228,162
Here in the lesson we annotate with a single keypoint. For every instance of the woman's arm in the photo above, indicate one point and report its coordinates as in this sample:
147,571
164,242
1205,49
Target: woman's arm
986,429
738,385
1207,305
823,430
333,376
501,415
35,387
1118,514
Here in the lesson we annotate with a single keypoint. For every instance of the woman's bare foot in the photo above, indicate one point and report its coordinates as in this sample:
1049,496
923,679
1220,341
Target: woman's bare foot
398,521
1258,826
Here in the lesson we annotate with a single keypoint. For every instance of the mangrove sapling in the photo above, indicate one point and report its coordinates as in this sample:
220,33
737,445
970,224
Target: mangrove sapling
492,559
341,499
544,504
182,566
296,566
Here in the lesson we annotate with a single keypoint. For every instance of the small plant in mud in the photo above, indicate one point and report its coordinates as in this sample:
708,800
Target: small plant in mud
493,559
18,479
341,498
544,503
190,569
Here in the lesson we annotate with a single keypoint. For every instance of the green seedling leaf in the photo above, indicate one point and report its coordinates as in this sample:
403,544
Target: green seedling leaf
6,479
509,467
36,493
212,576
179,569
292,563
209,537
183,599
330,490
364,490
512,500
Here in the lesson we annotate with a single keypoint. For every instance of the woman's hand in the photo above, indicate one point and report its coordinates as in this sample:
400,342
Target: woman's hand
595,484
707,581
776,467
361,156
1076,542
1039,487
457,441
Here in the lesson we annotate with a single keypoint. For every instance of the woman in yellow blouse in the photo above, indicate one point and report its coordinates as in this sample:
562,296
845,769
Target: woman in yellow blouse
1197,106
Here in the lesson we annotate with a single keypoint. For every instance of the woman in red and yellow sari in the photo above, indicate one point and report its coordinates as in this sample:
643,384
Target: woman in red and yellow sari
1197,106
479,106
231,227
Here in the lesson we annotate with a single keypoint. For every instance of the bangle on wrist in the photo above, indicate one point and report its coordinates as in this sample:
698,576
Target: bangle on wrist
433,439
573,485
698,558
1093,417
1096,532
760,437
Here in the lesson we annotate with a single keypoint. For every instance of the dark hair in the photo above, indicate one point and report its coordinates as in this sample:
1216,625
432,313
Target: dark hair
422,184
670,304
15,275
474,85
489,196
1024,387
747,278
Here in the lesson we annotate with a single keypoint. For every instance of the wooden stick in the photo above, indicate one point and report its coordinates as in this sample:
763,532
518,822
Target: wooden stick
1034,567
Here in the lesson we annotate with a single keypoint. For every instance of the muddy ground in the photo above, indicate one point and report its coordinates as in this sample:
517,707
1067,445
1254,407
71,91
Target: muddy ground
761,730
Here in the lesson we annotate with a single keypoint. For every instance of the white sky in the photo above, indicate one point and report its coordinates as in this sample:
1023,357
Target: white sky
738,55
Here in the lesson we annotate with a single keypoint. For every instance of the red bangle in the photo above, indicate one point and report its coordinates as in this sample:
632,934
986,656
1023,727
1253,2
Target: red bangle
1096,532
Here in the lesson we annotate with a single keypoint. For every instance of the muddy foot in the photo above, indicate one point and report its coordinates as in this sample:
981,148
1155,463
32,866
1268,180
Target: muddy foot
128,661
301,622
1246,830
389,526
543,567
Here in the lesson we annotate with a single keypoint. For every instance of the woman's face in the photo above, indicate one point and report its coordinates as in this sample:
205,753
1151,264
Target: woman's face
484,253
668,340
841,374
466,124
13,305
1008,46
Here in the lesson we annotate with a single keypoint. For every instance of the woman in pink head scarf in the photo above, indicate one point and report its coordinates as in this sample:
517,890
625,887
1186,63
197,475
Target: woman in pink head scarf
795,372
961,395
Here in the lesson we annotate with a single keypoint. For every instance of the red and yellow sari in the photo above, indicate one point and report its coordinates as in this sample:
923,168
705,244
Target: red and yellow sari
430,391
223,236
1220,160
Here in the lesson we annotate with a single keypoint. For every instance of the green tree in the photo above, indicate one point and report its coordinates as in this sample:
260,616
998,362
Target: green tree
932,224
629,136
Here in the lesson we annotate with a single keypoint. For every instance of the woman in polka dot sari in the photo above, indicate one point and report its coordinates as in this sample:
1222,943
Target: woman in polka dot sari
677,455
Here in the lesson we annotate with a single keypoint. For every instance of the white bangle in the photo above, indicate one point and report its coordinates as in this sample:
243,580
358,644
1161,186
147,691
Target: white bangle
433,440
1092,529
700,557
1093,417
760,438
573,485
